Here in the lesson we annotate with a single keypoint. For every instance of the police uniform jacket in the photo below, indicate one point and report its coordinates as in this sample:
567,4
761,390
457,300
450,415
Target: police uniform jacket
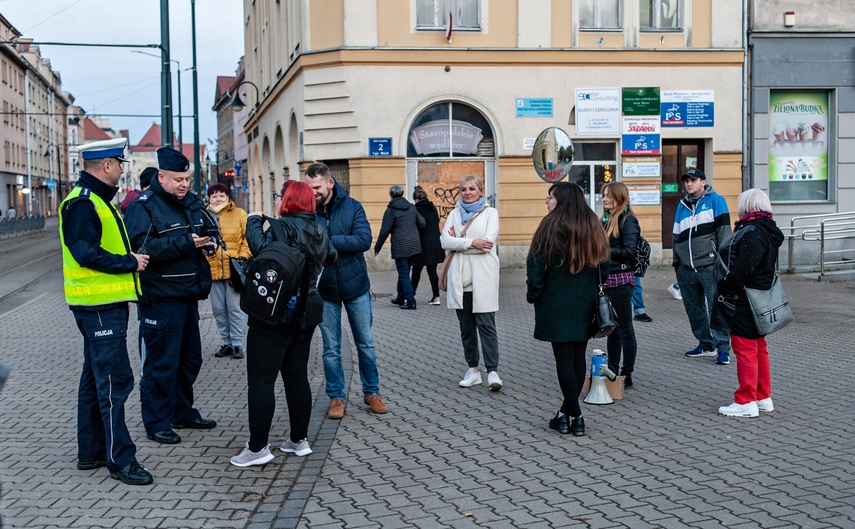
161,225
81,232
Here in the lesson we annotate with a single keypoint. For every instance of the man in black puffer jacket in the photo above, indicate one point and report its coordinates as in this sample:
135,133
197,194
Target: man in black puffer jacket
403,222
170,224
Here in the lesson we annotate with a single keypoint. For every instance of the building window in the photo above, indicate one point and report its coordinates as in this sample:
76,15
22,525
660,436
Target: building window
433,14
660,14
593,166
798,146
599,14
450,130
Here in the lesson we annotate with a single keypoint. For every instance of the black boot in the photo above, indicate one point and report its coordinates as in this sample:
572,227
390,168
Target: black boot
577,426
562,424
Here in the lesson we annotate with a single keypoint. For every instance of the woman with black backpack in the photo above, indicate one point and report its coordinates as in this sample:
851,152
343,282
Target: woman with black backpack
623,231
282,349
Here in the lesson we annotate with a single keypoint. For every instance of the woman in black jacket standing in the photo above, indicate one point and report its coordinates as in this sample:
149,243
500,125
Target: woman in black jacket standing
432,252
283,349
749,256
623,231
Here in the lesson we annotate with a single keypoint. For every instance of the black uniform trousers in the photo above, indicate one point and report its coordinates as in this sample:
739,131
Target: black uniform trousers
106,382
171,354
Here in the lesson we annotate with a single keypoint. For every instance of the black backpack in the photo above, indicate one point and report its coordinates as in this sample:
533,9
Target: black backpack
272,277
642,257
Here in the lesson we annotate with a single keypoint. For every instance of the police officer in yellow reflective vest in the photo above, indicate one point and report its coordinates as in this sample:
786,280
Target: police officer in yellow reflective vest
100,278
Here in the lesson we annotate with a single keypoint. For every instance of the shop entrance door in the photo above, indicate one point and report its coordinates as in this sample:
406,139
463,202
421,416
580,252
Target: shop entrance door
678,156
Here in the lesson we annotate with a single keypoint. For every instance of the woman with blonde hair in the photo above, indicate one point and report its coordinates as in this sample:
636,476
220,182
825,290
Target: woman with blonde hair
568,256
473,278
623,231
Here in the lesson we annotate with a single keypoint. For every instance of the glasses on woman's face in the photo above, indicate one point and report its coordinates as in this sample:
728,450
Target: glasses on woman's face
276,196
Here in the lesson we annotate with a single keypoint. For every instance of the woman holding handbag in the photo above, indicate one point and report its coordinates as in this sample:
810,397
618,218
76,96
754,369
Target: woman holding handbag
225,299
623,231
283,350
749,260
568,254
471,232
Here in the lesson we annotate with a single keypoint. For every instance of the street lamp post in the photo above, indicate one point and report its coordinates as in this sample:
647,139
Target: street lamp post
178,70
237,103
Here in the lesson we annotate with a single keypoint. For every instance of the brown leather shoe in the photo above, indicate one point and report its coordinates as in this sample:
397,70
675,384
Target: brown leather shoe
376,404
336,409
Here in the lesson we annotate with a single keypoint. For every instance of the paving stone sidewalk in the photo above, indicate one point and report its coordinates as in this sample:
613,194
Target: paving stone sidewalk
445,456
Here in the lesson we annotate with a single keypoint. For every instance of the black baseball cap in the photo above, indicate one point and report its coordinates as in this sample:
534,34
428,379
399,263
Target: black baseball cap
695,174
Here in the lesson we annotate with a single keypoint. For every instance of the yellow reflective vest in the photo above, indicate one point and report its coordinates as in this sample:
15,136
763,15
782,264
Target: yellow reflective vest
85,286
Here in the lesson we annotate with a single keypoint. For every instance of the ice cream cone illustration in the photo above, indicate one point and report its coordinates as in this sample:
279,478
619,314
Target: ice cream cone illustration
778,133
803,131
792,132
817,130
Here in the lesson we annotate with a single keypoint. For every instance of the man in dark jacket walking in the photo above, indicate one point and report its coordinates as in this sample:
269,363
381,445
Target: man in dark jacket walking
403,221
345,283
170,224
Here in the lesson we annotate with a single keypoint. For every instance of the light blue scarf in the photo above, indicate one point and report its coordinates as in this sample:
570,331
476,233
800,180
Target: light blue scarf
467,211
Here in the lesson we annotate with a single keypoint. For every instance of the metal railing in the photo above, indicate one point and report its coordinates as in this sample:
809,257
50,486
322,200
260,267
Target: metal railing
823,228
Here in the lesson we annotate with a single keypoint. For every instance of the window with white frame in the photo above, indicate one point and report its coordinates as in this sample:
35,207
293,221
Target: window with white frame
660,14
599,14
433,14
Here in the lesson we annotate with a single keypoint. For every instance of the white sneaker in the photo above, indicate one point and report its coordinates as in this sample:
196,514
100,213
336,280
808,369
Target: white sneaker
494,381
740,410
248,458
674,289
301,448
765,405
471,378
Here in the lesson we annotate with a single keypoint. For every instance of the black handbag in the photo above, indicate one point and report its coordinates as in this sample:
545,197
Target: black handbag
237,276
605,318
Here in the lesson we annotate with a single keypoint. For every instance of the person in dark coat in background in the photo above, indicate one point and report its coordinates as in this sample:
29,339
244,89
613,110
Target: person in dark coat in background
403,222
432,252
145,181
750,257
568,257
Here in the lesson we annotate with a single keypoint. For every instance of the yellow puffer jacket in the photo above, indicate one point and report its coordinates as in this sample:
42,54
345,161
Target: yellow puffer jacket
232,220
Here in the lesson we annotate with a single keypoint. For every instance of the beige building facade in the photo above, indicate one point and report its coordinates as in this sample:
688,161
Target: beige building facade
387,92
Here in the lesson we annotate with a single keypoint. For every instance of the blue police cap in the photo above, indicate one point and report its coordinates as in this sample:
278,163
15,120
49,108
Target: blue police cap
168,159
146,176
114,148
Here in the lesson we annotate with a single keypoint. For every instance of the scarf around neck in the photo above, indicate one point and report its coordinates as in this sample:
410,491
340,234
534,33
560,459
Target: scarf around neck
751,215
467,211
221,207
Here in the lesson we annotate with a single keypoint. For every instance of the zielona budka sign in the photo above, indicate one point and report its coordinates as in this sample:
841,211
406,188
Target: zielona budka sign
443,136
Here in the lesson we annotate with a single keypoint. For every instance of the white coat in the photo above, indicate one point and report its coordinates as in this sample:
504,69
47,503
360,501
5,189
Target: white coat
484,266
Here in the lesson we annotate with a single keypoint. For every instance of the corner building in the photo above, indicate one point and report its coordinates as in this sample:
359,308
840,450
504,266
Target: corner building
375,89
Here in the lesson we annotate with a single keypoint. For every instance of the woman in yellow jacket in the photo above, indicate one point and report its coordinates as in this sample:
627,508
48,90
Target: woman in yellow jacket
225,299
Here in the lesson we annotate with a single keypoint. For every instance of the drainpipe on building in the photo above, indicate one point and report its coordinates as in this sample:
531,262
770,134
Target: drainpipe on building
746,108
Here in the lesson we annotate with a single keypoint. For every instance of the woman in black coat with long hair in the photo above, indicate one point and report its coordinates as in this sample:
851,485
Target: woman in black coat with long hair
432,252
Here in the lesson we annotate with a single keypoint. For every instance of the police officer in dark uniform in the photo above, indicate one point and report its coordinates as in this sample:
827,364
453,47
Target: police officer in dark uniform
170,224
100,279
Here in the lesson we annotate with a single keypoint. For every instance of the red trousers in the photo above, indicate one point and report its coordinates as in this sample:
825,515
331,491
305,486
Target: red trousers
752,369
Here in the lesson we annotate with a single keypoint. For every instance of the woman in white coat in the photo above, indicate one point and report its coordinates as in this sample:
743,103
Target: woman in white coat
473,278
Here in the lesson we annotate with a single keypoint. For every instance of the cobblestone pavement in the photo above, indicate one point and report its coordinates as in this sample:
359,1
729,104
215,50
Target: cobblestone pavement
445,456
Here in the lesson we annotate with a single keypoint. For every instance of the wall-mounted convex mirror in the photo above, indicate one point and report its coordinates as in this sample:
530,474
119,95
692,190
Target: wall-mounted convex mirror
552,154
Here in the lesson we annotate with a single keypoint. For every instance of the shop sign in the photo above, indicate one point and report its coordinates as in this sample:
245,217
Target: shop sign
670,188
51,184
640,101
687,108
798,146
534,107
640,144
438,137
644,194
380,147
643,167
597,111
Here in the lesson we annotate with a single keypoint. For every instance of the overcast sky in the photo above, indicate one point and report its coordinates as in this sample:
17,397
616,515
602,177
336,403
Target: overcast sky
117,81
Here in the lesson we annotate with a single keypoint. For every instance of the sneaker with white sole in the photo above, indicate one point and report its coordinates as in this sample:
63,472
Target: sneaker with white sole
435,301
740,410
300,448
248,458
471,378
674,290
765,405
494,381
698,352
723,358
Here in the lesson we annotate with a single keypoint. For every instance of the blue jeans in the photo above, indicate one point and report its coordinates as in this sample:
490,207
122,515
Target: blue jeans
699,290
638,298
360,318
405,287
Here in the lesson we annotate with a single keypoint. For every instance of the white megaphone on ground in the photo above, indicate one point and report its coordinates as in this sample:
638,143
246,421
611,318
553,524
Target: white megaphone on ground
597,392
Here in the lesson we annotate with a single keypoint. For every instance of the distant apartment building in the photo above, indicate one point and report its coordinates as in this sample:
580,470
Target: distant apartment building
424,92
13,132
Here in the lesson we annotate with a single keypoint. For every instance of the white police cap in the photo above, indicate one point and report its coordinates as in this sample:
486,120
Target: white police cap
114,148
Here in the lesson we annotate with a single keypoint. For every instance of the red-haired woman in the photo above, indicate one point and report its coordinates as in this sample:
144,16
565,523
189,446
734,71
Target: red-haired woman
283,349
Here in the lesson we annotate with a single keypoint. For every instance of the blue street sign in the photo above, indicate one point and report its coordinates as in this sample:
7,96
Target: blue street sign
379,146
238,167
51,184
534,107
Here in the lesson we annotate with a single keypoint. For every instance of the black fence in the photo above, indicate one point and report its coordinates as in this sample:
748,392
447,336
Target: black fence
15,226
